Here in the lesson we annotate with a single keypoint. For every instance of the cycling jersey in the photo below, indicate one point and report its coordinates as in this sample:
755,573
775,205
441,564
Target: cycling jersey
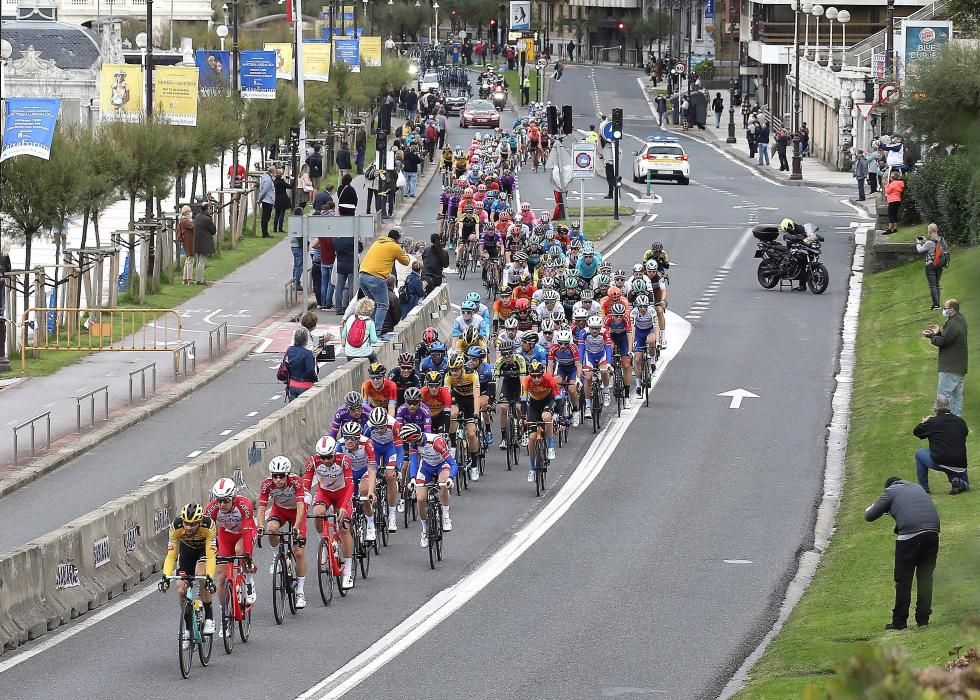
343,415
592,308
468,223
380,397
536,353
430,457
285,496
526,321
461,324
237,523
419,415
192,547
461,346
428,365
563,356
465,384
545,390
595,348
503,309
587,270
437,401
607,304
491,239
512,367
387,444
330,483
361,457
402,383
660,256
643,321
484,373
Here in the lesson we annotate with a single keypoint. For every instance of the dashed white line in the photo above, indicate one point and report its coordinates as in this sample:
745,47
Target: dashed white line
225,432
253,413
275,397
194,454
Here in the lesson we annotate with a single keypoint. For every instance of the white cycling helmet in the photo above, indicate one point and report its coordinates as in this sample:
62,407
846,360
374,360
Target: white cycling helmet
280,465
326,446
651,265
547,325
379,417
563,337
580,314
224,488
595,322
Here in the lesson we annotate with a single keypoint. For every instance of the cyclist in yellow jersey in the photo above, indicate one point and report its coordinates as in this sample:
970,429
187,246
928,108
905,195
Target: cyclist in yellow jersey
447,158
464,387
193,550
471,338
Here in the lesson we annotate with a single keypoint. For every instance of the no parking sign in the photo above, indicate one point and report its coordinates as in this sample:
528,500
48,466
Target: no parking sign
583,160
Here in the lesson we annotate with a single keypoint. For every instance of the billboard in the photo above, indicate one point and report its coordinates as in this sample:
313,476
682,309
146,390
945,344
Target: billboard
121,92
520,15
175,93
257,75
922,40
28,127
371,50
215,69
284,59
316,60
347,51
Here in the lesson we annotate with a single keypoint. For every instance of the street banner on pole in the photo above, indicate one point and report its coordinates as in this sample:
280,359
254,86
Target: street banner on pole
175,94
346,51
257,74
284,59
520,15
121,93
922,41
215,70
371,50
28,127
316,60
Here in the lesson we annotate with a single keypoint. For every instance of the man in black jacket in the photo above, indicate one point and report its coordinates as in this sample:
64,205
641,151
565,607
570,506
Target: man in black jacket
953,356
947,447
435,259
916,546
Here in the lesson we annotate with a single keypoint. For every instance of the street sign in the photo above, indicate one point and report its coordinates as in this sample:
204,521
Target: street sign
542,63
583,160
607,131
890,94
737,395
680,67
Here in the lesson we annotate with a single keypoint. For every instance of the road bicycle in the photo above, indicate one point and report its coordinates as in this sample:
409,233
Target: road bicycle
190,625
380,511
235,607
514,432
462,454
481,439
619,385
538,451
491,277
463,262
563,415
362,548
329,558
646,371
433,522
407,486
596,398
283,574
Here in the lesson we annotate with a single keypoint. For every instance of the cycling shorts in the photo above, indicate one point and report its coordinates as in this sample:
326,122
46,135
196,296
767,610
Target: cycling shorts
464,404
567,372
428,472
510,388
188,557
386,453
535,409
640,336
597,359
334,499
490,391
440,423
621,343
492,251
227,542
285,515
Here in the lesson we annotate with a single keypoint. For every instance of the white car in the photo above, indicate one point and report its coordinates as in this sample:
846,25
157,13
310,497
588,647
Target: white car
428,81
664,159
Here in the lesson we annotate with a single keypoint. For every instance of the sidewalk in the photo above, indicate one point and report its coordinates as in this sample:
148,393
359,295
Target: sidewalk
249,300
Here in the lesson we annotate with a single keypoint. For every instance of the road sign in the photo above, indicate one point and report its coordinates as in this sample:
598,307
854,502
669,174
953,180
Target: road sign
607,131
542,63
737,395
680,67
583,160
890,94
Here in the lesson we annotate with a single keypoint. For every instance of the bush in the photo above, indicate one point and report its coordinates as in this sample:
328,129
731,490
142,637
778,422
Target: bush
944,190
705,69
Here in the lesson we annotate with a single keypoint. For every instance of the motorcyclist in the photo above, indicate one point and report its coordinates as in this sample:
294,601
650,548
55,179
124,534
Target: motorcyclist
795,233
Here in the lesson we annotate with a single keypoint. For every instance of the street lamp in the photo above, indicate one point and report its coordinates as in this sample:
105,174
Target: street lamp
807,8
796,172
843,17
222,32
224,12
831,15
816,12
435,8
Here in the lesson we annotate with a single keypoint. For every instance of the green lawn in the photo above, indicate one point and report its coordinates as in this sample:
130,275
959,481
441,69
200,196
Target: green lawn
852,593
906,234
596,228
607,210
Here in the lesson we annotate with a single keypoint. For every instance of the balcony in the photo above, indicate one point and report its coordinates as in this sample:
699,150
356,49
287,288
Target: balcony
85,11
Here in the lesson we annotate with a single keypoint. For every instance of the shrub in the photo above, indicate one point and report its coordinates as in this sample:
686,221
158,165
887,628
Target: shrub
941,190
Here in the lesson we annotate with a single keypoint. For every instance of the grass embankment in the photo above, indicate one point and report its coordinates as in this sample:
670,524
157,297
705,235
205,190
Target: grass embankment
168,297
596,227
852,593
906,234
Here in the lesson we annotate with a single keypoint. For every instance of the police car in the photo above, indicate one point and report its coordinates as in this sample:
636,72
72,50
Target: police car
664,159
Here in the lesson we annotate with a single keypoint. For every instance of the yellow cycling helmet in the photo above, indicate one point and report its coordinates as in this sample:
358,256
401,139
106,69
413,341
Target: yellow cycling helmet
457,362
192,513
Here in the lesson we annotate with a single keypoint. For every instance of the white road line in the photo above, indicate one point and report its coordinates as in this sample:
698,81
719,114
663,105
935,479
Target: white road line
253,413
275,397
821,190
262,346
193,454
730,260
225,432
207,319
626,239
739,561
733,159
452,598
861,212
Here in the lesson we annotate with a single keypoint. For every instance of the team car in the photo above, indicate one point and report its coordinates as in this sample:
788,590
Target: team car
664,159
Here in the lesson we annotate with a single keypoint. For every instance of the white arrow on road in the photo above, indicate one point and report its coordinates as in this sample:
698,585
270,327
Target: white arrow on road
737,396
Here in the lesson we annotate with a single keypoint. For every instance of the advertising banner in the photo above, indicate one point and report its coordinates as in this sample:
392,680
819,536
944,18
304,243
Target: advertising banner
175,94
346,50
520,15
121,93
316,60
922,40
257,75
371,50
28,127
284,59
215,70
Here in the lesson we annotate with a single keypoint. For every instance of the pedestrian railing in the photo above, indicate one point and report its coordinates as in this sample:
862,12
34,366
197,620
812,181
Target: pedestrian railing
104,390
152,367
217,340
184,353
290,294
32,423
137,330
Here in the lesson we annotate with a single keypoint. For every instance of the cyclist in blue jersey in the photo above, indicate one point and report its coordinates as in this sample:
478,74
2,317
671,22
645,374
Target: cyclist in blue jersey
566,366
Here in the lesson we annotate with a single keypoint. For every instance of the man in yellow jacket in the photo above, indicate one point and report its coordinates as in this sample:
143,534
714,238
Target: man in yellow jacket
378,263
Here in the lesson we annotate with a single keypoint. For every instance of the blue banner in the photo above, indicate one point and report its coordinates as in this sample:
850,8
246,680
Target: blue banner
28,127
709,8
257,72
214,69
347,51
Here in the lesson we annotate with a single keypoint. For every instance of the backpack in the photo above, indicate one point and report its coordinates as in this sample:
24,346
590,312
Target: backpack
282,374
357,333
940,258
403,293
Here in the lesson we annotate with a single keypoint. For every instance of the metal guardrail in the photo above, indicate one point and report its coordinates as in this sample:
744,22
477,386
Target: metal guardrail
47,416
91,397
217,339
289,293
142,372
183,353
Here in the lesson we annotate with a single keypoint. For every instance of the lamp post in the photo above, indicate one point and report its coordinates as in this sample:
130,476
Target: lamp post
731,110
796,171
843,17
831,15
816,12
435,8
889,37
807,8
364,17
222,31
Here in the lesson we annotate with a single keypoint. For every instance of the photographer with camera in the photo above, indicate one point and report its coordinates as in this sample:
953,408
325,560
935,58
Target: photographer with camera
936,258
951,341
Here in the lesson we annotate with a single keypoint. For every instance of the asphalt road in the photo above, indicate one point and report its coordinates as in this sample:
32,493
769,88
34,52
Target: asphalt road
658,580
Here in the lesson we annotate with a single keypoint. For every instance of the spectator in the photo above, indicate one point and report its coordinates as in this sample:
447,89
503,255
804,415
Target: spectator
185,236
746,111
933,248
411,170
570,46
204,233
347,197
916,548
414,289
893,195
360,150
267,198
661,110
411,105
283,202
394,314
304,188
430,137
608,157
315,161
296,248
343,161
782,143
718,105
874,171
378,263
435,259
302,365
860,172
804,140
442,125
762,138
947,448
360,342
951,341
327,259
315,280
323,198
373,196
390,188
344,268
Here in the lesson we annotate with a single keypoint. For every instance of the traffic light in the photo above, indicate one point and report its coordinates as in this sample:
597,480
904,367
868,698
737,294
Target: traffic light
621,26
617,123
493,23
552,113
566,119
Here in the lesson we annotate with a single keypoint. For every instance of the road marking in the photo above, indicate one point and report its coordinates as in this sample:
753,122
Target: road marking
730,260
452,598
275,397
821,190
262,347
626,239
193,454
737,395
225,432
253,413
208,319
861,212
738,561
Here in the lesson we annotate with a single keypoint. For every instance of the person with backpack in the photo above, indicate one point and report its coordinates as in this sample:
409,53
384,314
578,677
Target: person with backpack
358,332
298,366
315,161
412,290
936,255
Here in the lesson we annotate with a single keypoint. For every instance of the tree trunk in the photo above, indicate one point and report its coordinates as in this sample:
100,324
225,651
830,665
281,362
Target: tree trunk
28,240
132,239
193,183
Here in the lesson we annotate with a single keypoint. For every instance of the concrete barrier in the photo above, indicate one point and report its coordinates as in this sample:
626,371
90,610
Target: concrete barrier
81,566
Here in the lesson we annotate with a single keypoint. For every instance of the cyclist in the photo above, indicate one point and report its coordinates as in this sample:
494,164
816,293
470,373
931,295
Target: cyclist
638,286
468,317
517,267
503,308
365,468
287,494
436,397
618,326
236,530
464,387
588,263
467,226
446,161
525,288
404,376
491,243
481,309
659,295
509,332
414,411
549,302
586,305
565,365
476,362
509,370
471,338
383,431
595,349
429,336
353,409
436,361
378,390
658,253
530,350
192,550
645,336
329,483
524,315
547,328
570,295
542,390
429,458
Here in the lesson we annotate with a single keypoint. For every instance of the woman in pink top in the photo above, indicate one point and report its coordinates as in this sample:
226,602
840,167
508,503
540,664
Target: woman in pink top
893,195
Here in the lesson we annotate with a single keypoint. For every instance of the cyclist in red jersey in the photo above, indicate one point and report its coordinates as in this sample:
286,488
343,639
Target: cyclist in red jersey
236,529
378,390
287,494
329,483
436,396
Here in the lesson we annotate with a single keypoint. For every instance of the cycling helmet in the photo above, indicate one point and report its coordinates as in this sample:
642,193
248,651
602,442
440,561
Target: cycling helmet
474,297
351,430
282,465
433,378
471,335
603,281
546,283
326,446
520,256
638,286
620,273
505,346
530,337
545,217
476,353
575,227
580,314
467,305
506,291
563,337
430,335
547,325
558,316
377,370
481,188
353,399
522,304
642,300
786,225
657,246
413,395
468,209
551,295
595,322
588,248
571,282
525,206
379,417
587,294
406,360
224,488
191,513
614,293
456,362
652,265
638,268
535,369
511,322
437,346
605,269
576,244
410,433
618,309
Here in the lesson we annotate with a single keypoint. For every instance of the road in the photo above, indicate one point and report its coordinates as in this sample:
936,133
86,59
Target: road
664,572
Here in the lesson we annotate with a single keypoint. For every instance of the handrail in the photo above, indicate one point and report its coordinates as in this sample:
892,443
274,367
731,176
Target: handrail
185,351
142,372
875,41
46,415
91,397
215,342
290,290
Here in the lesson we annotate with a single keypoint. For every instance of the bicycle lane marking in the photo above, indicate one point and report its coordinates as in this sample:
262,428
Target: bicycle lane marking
452,598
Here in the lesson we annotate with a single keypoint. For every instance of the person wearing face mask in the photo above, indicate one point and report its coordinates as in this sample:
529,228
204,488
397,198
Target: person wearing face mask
951,340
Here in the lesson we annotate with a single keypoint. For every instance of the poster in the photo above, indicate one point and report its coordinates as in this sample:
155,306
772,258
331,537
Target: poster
121,93
316,60
922,40
346,50
215,70
520,15
175,94
371,50
284,59
28,127
257,75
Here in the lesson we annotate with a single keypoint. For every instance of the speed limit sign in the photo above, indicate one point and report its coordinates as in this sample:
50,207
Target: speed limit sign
680,67
542,63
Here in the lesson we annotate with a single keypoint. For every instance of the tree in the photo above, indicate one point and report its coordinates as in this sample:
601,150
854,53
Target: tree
942,98
104,169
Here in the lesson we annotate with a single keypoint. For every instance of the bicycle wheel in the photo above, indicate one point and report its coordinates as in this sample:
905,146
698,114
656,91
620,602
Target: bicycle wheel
204,649
363,547
291,582
431,525
408,496
337,564
278,588
381,514
185,654
245,622
596,405
228,616
324,572
647,380
439,532
539,466
462,265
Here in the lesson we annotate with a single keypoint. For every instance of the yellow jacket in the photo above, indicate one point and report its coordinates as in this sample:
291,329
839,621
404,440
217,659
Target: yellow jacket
381,257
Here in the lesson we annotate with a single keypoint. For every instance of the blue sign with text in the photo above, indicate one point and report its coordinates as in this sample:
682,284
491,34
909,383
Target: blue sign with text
28,127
